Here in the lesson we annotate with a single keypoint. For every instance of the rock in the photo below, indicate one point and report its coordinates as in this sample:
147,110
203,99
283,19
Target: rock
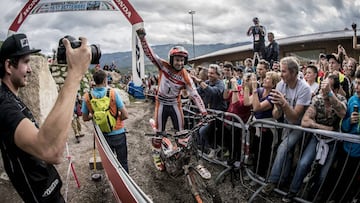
41,92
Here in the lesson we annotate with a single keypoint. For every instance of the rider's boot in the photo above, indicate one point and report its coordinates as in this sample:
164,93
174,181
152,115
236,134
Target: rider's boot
156,148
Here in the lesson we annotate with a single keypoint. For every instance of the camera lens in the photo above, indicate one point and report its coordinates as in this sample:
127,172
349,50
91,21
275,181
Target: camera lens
95,54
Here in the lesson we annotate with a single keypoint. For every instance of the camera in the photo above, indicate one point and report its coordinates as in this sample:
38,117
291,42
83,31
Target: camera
353,26
61,52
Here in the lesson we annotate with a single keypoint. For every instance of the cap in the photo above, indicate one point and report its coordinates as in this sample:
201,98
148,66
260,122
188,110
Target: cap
334,56
16,45
239,68
322,55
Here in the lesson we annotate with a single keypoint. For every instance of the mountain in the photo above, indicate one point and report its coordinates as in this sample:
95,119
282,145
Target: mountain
123,59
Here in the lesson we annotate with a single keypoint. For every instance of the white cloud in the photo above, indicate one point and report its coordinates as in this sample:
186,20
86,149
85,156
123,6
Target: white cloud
169,21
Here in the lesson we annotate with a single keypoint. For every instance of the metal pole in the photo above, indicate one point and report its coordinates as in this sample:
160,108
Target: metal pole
191,12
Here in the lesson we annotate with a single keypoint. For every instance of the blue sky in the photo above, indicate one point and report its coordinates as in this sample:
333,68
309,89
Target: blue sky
169,21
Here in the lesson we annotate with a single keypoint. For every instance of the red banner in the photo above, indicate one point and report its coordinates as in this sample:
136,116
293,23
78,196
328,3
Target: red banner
129,12
20,18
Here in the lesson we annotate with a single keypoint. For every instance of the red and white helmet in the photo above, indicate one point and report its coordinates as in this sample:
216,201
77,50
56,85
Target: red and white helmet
178,51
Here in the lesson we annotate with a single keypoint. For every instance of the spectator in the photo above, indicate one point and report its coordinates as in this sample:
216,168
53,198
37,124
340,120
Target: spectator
261,69
290,98
349,153
262,107
109,78
75,123
29,151
349,71
311,77
258,33
275,66
228,71
234,94
113,66
239,73
117,137
97,67
212,93
249,66
334,68
323,67
325,112
272,50
203,74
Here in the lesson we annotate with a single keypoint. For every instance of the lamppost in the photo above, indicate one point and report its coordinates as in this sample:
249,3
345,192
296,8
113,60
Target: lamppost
191,12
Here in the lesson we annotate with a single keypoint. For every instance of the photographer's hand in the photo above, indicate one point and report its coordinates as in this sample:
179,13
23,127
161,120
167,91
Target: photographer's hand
78,59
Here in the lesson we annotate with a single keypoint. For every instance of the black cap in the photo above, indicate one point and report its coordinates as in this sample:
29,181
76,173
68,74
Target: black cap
329,56
322,55
16,45
239,68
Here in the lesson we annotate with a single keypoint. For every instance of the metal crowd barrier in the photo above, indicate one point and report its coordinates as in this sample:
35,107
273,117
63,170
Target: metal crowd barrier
336,137
250,165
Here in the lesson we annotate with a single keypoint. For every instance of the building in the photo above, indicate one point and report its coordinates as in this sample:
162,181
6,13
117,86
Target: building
306,47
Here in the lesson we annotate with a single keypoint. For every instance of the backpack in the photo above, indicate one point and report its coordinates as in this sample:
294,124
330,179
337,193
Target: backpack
101,112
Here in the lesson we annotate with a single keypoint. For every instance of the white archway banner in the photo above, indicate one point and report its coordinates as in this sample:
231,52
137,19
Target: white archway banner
35,7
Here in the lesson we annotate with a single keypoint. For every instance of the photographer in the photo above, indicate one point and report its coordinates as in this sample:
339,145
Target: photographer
258,32
28,151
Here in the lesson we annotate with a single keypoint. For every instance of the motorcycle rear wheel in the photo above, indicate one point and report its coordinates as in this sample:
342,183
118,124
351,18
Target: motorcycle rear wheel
203,190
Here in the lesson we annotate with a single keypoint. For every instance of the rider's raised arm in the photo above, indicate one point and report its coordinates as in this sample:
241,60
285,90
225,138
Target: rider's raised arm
155,59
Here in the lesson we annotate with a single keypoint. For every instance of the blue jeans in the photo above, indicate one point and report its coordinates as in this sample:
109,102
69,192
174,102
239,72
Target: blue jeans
118,145
207,135
304,165
283,156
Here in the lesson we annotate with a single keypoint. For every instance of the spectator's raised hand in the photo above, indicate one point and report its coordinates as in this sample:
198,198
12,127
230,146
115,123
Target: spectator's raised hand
254,83
277,98
325,87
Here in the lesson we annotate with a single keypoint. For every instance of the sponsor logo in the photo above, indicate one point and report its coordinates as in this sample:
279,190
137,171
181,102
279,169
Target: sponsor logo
24,42
175,76
51,188
27,10
124,8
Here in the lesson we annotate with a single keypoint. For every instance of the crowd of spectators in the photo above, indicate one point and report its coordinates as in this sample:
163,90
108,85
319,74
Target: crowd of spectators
274,90
321,94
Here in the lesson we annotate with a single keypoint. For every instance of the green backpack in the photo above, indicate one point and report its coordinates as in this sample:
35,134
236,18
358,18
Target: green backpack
102,115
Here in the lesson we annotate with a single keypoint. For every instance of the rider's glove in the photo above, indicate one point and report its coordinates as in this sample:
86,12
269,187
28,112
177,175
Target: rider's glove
141,32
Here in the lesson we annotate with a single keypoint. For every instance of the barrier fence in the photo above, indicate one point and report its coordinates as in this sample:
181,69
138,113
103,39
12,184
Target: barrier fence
253,148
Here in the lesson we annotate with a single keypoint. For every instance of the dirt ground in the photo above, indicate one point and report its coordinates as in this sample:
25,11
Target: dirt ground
157,185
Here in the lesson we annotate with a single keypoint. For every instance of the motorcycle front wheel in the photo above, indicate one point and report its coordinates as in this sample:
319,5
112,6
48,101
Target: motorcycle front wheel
202,190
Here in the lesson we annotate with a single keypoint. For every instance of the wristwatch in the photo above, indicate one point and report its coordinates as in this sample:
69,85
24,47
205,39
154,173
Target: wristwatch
330,94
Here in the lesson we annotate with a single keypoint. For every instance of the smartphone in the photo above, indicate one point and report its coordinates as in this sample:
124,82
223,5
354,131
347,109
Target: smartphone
356,108
229,84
